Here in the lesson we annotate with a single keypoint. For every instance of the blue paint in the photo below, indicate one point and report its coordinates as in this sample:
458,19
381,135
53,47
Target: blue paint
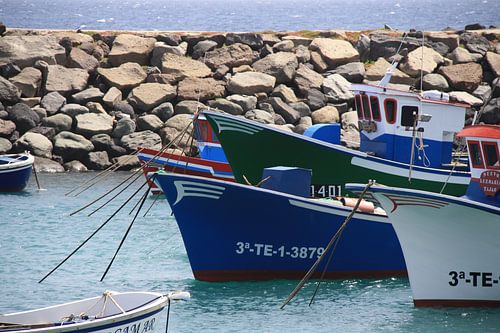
15,179
212,153
475,193
324,132
296,181
237,213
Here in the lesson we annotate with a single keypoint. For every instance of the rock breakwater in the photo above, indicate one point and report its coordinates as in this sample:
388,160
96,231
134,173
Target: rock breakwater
83,100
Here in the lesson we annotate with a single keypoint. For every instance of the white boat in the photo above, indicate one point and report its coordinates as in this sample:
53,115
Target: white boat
452,245
117,312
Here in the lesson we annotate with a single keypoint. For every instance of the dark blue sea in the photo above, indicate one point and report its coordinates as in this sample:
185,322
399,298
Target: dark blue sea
247,15
37,232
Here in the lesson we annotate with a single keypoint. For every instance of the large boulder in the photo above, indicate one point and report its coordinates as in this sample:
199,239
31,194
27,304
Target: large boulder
80,59
285,93
126,76
65,80
43,164
146,139
147,96
5,145
475,43
164,111
249,83
24,51
434,81
71,146
226,106
97,160
8,91
493,61
35,143
131,48
52,102
451,40
149,122
59,122
7,127
327,114
335,52
112,96
465,77
103,142
73,110
289,114
281,65
232,56
123,127
337,89
491,112
28,81
246,102
203,47
354,72
161,48
306,79
188,107
460,56
260,116
24,118
377,70
88,95
89,124
182,67
127,162
385,46
422,59
193,88
253,40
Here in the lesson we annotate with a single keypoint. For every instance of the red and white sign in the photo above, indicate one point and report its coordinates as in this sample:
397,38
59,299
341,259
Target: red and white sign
490,182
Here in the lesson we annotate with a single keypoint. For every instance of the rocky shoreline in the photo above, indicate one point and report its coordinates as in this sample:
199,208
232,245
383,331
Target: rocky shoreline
85,100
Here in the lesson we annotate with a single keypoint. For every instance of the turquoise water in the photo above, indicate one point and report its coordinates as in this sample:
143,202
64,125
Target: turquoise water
36,233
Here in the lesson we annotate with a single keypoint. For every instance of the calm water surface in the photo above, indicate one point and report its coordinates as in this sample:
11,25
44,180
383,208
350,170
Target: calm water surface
36,232
245,15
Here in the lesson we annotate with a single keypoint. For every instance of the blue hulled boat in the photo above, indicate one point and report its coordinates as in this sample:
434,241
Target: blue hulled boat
15,171
239,232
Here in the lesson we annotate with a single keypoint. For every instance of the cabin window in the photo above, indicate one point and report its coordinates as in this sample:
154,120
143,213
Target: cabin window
390,106
475,155
366,107
201,130
357,101
490,152
408,114
375,108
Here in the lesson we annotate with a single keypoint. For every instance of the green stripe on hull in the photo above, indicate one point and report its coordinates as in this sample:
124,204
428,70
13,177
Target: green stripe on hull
250,148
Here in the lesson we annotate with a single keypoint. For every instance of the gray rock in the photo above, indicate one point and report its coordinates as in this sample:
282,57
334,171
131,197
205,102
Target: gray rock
337,89
24,118
289,114
164,111
47,132
59,122
251,39
123,127
464,97
95,107
65,80
250,83
493,61
71,146
265,51
285,93
80,59
169,39
435,81
451,40
260,116
147,96
89,124
161,48
463,76
35,143
131,48
28,81
186,143
146,139
319,64
335,52
127,162
8,91
126,76
47,165
8,70
460,56
306,79
103,142
281,65
88,95
475,43
180,122
182,67
226,106
202,47
75,166
363,47
7,127
5,146
327,114
112,96
97,160
353,72
31,101
302,108
73,110
278,119
491,112
188,107
303,54
201,89
125,108
52,102
149,122
24,51
307,120
284,46
482,92
230,56
315,99
246,102
385,46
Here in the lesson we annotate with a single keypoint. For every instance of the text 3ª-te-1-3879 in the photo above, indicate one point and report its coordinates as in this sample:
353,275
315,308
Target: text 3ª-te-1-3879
270,250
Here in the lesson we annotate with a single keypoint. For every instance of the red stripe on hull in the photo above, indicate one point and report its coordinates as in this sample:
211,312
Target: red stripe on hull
254,275
456,303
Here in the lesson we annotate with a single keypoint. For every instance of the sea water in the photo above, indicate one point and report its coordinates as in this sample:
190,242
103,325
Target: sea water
245,15
37,232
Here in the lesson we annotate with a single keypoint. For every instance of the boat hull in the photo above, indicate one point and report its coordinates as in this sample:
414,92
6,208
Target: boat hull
450,246
14,176
250,147
237,232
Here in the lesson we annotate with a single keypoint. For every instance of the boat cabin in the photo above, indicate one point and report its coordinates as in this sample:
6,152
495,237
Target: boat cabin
388,118
483,143
208,143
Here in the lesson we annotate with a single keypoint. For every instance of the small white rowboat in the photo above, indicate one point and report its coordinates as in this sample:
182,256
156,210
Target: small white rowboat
113,312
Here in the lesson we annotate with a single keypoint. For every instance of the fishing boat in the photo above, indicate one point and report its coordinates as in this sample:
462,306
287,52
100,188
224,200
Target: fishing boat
111,312
236,232
406,140
212,162
15,171
451,244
